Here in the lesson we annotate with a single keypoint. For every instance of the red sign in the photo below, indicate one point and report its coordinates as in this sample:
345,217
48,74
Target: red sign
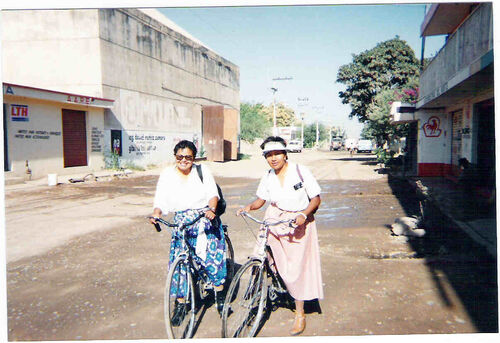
78,99
19,112
431,127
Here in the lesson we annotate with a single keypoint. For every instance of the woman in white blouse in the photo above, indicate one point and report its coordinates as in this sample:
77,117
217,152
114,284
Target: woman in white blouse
293,193
180,190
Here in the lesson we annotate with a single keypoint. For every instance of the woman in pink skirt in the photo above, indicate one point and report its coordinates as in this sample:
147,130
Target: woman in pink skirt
293,193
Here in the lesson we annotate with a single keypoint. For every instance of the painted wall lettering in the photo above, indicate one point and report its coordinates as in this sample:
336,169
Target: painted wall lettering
77,99
19,112
36,134
96,139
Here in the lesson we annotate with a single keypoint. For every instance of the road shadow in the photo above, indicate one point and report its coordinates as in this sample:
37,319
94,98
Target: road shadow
453,258
367,160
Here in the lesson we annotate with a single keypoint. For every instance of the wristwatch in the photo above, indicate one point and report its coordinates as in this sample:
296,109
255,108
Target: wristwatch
212,209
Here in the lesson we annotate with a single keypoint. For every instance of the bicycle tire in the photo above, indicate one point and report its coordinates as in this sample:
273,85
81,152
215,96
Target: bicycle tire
245,300
185,328
229,258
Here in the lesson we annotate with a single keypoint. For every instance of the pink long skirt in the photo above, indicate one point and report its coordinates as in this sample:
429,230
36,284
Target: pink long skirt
296,255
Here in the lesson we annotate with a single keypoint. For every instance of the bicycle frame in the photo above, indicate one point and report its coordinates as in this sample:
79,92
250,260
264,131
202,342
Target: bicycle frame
264,251
187,250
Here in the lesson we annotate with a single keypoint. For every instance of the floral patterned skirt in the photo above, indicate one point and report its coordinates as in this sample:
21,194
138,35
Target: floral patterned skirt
206,238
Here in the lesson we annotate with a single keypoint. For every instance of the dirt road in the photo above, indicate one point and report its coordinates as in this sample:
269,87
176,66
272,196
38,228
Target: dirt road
85,265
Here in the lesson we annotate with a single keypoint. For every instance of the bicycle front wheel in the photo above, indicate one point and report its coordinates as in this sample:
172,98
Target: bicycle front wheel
179,300
245,299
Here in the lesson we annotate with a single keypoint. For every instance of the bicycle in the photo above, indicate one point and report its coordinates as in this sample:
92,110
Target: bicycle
186,273
249,290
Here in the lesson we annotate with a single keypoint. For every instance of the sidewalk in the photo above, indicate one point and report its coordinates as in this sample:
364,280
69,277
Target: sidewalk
476,219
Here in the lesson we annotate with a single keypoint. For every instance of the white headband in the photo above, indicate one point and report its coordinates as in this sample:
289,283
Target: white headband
273,146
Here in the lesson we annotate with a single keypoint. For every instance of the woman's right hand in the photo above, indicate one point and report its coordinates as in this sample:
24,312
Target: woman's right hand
247,208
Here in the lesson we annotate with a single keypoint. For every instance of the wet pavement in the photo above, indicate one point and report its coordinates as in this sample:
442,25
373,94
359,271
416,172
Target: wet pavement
108,284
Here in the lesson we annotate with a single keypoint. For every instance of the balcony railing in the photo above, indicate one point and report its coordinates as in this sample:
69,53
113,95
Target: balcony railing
472,40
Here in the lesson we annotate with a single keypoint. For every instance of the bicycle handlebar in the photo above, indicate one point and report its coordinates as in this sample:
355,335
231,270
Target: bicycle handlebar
168,224
267,222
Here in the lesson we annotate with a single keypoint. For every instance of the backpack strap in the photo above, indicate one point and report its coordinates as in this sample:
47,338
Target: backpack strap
298,172
200,173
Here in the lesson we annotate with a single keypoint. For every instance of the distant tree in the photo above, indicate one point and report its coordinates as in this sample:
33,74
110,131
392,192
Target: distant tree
285,116
310,134
390,64
253,122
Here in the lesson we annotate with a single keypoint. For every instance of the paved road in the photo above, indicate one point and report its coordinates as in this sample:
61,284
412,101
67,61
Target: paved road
85,265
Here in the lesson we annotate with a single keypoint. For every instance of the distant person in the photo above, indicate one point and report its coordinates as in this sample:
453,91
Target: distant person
293,193
180,190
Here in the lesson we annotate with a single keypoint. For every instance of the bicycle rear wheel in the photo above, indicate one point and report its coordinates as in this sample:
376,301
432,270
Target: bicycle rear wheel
229,258
245,299
179,301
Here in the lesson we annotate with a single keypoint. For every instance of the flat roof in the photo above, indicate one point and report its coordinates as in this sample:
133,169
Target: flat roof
57,96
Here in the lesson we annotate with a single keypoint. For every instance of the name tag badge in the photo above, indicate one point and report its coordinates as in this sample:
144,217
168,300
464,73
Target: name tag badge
298,186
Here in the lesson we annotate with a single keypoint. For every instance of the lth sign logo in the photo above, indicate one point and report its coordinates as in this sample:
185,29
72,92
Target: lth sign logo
431,127
19,113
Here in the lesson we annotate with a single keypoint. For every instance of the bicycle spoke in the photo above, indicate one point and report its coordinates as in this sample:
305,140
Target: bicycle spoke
245,301
179,300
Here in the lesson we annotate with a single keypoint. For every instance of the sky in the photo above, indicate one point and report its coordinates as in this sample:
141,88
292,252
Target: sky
305,43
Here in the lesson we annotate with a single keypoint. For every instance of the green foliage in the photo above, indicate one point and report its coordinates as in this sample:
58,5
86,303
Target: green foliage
383,155
253,122
243,156
310,134
378,126
390,64
285,116
112,160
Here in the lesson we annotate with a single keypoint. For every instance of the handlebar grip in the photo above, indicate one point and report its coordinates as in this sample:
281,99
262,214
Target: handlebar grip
157,226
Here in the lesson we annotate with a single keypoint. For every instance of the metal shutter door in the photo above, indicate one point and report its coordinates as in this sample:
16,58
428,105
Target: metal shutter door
74,138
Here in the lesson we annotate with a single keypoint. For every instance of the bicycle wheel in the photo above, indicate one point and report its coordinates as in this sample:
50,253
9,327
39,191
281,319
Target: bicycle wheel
229,258
179,301
245,299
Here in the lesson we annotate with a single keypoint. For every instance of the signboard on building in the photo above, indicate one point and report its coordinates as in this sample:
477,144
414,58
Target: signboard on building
19,112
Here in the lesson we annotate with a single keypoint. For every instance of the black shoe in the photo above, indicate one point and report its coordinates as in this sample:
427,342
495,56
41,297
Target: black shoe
180,311
219,301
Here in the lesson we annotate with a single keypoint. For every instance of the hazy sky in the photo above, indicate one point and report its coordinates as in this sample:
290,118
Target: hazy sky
307,43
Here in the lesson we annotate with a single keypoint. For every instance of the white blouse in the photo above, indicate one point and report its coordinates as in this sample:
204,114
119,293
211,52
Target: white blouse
175,193
293,196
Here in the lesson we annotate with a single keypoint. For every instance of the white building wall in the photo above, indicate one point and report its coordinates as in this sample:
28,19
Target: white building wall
433,137
39,140
159,78
52,49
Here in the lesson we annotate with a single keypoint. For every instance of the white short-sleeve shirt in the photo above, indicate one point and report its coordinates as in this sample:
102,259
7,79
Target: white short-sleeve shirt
175,193
293,196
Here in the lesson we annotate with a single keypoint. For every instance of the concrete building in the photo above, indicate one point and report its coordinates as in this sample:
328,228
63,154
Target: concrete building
160,78
454,115
47,132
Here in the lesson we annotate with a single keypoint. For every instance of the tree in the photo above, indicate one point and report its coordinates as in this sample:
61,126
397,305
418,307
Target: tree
253,122
378,126
390,64
285,116
310,134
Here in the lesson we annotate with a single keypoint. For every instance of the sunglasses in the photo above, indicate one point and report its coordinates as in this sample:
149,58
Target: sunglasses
188,158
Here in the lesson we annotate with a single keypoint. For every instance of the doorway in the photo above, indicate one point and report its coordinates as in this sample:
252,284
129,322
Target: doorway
74,138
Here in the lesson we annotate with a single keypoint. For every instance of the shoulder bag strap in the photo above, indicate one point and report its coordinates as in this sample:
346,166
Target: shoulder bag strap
200,173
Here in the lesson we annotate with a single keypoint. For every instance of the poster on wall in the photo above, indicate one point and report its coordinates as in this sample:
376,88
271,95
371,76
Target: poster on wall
116,142
19,112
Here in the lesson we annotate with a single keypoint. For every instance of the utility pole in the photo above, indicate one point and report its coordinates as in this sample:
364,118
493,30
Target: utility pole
300,103
274,90
318,110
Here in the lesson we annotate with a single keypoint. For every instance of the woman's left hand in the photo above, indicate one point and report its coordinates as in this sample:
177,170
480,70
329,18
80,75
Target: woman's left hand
209,214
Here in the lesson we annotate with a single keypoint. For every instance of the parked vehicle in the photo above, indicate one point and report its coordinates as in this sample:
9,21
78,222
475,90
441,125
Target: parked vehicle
295,146
336,144
365,145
